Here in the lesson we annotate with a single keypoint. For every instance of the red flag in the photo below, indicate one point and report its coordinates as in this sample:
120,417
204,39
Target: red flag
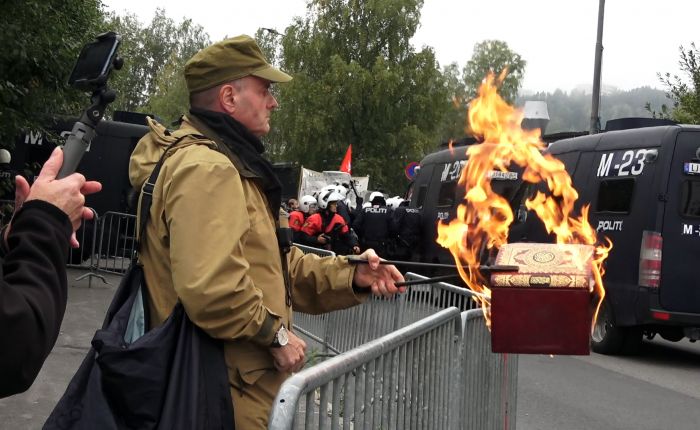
346,165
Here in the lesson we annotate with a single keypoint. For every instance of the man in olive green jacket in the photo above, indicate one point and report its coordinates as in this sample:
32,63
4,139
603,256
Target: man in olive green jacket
212,243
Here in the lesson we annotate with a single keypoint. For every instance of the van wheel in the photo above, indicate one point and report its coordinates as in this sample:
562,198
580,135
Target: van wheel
611,340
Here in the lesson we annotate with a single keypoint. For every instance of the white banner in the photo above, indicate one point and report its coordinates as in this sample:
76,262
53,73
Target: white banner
312,181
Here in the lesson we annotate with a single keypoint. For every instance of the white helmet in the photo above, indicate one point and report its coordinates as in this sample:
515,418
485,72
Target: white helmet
375,195
307,203
327,197
324,189
394,202
342,188
366,205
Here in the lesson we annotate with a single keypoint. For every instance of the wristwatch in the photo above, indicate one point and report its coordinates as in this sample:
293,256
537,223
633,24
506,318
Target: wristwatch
281,338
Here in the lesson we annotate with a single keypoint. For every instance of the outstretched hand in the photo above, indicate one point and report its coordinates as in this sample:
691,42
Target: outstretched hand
68,194
380,277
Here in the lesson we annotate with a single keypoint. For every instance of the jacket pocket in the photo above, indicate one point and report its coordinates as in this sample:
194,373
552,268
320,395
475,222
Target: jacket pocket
247,363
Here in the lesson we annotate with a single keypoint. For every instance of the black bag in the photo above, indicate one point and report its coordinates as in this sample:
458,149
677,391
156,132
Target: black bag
172,377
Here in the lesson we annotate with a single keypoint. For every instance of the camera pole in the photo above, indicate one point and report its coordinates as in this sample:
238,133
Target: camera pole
85,76
84,130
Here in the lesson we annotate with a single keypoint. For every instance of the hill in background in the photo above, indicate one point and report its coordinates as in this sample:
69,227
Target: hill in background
571,111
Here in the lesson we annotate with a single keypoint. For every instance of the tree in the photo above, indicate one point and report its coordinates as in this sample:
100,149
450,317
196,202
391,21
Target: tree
357,80
685,96
152,79
453,123
35,63
494,56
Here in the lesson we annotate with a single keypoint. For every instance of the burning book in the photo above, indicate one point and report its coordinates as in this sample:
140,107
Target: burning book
545,307
555,284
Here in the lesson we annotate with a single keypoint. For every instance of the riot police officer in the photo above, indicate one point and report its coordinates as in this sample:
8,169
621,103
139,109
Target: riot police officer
373,225
407,223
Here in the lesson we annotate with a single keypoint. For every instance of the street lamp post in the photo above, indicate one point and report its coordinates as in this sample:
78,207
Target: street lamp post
595,101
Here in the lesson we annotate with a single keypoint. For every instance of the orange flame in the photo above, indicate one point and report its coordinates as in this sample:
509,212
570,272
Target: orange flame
483,219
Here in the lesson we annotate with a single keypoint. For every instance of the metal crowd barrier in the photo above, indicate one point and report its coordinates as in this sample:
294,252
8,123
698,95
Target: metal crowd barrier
83,257
488,389
342,330
402,380
417,377
313,326
485,384
117,242
106,245
312,250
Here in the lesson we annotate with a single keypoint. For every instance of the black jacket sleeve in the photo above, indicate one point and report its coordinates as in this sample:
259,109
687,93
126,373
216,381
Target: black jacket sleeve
33,292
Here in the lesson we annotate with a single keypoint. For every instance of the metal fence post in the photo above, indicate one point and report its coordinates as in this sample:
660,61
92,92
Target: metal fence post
92,265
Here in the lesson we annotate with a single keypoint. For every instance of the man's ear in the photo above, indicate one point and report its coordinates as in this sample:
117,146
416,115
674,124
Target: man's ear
227,98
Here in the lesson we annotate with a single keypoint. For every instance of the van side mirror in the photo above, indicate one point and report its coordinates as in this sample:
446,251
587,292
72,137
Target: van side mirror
651,156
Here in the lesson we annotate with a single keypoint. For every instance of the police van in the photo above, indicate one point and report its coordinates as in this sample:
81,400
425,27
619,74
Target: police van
643,187
106,159
436,191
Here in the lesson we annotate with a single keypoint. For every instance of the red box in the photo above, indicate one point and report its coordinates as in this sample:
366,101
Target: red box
541,320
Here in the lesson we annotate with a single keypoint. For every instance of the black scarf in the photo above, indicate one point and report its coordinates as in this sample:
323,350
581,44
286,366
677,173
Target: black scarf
248,148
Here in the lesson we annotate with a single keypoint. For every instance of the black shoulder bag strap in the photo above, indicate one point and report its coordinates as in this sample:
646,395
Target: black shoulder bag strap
210,362
147,190
145,215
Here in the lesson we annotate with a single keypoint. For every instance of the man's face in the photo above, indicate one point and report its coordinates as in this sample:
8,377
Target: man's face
253,104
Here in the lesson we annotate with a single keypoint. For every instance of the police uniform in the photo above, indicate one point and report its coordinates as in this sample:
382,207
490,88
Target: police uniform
407,223
373,227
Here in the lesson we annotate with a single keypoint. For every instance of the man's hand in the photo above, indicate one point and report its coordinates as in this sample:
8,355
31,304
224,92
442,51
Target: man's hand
322,239
68,194
380,277
290,358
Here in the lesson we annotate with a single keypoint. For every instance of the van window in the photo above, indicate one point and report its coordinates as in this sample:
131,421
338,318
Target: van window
421,195
690,198
447,195
615,195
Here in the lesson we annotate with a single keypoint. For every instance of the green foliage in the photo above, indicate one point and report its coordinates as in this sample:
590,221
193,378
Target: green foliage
40,42
453,123
490,56
358,81
493,56
152,79
685,96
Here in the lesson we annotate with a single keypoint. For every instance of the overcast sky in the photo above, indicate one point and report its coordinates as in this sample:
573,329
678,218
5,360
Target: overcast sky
556,37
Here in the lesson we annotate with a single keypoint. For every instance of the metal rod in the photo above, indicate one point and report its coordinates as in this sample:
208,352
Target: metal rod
404,263
484,268
427,280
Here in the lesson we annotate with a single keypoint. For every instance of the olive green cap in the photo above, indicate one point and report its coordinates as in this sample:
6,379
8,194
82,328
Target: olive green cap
229,60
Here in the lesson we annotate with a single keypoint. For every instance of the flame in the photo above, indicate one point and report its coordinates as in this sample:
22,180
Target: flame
483,219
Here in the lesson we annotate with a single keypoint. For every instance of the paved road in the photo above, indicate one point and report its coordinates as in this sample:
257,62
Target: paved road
84,314
658,389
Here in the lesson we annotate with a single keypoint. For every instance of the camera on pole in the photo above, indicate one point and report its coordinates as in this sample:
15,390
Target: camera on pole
90,74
